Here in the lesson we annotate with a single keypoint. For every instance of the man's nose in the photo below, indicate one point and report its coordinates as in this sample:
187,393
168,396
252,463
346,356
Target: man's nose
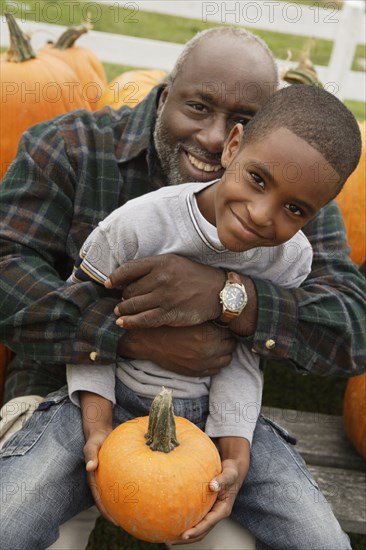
212,136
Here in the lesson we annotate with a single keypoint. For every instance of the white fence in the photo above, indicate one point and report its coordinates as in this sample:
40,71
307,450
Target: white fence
346,28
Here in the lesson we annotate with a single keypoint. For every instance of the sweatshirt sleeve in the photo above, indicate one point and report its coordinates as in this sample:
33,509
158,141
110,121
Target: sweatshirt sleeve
95,379
235,397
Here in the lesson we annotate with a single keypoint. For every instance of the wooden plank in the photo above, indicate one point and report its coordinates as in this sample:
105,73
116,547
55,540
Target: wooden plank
321,438
345,490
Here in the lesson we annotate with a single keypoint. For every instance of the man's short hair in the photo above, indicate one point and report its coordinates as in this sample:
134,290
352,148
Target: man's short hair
218,32
317,117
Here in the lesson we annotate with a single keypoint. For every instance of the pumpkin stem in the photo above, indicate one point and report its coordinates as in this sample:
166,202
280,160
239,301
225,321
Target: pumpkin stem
20,47
69,37
161,434
305,72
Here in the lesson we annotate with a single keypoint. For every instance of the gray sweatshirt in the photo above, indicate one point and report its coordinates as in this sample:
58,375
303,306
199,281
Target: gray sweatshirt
169,221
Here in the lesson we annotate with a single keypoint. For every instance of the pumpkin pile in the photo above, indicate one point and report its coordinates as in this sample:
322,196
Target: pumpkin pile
35,87
154,473
352,203
58,78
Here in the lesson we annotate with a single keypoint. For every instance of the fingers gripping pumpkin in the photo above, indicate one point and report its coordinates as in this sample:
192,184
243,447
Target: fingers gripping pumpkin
154,473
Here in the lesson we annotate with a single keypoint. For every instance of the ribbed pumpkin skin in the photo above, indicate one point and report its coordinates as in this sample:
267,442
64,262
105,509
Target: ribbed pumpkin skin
130,88
51,81
352,202
156,496
88,69
354,412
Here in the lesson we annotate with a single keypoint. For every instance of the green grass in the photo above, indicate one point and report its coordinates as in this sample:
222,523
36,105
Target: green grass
159,26
358,108
166,28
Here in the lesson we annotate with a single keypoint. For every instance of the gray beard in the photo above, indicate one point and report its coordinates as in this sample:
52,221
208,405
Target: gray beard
168,154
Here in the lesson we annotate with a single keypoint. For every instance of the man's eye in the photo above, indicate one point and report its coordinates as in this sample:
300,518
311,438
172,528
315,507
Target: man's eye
258,180
294,209
198,107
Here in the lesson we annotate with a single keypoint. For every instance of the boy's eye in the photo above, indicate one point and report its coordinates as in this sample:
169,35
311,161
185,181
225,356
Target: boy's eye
257,179
294,209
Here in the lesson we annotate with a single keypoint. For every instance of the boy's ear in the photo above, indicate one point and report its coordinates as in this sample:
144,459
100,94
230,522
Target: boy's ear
232,144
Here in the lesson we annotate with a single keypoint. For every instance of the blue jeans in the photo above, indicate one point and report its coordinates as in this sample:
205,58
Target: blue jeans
43,482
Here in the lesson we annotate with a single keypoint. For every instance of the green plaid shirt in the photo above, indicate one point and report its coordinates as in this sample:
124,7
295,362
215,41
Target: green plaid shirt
69,174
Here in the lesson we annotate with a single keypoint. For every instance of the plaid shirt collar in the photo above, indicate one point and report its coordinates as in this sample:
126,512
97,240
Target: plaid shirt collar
141,141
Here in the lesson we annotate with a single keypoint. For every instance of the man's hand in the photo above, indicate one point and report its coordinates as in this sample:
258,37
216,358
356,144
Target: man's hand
235,453
193,351
167,290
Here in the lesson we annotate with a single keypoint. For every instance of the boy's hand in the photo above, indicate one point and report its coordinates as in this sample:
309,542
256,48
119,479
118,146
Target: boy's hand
91,450
227,484
96,430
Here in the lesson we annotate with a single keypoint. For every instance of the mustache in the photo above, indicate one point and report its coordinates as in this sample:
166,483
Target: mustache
211,158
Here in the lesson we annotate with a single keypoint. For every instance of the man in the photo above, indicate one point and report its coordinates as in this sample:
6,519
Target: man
70,173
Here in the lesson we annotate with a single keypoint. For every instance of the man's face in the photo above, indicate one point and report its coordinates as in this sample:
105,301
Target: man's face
271,188
224,81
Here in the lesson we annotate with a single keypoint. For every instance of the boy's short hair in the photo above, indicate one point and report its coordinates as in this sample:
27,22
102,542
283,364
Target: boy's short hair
316,116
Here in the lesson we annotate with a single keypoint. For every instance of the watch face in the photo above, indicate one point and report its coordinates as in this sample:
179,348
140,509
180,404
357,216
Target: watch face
234,298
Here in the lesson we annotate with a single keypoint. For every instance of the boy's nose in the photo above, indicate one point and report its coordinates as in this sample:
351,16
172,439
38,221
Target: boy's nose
261,212
212,136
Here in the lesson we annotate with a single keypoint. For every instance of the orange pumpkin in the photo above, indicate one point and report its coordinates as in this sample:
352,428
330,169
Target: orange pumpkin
87,67
34,89
354,412
154,472
352,202
130,88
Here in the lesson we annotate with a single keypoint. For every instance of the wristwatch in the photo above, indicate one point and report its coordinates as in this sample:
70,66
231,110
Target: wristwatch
233,298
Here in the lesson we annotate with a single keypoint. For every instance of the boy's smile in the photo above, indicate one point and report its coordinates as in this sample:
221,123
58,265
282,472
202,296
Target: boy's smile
270,189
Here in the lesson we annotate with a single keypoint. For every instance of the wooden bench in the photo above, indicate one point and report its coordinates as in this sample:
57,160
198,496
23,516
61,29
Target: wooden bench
338,469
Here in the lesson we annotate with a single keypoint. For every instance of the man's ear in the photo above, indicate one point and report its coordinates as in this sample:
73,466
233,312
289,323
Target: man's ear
232,144
162,98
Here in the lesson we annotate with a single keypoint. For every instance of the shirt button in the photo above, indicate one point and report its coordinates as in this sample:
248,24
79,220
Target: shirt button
270,344
93,355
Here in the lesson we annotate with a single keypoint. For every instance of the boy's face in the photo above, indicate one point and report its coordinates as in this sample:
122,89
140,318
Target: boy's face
271,188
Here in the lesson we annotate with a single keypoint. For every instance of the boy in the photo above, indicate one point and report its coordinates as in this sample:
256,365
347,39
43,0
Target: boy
279,173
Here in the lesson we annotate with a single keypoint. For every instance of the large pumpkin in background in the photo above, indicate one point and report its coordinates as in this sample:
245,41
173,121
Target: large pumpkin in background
354,412
154,472
352,202
34,88
85,64
130,88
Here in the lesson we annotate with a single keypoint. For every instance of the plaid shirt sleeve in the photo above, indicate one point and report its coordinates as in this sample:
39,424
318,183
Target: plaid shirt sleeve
42,317
319,327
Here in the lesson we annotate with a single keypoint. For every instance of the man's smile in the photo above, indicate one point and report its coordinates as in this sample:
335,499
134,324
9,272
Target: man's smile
205,166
